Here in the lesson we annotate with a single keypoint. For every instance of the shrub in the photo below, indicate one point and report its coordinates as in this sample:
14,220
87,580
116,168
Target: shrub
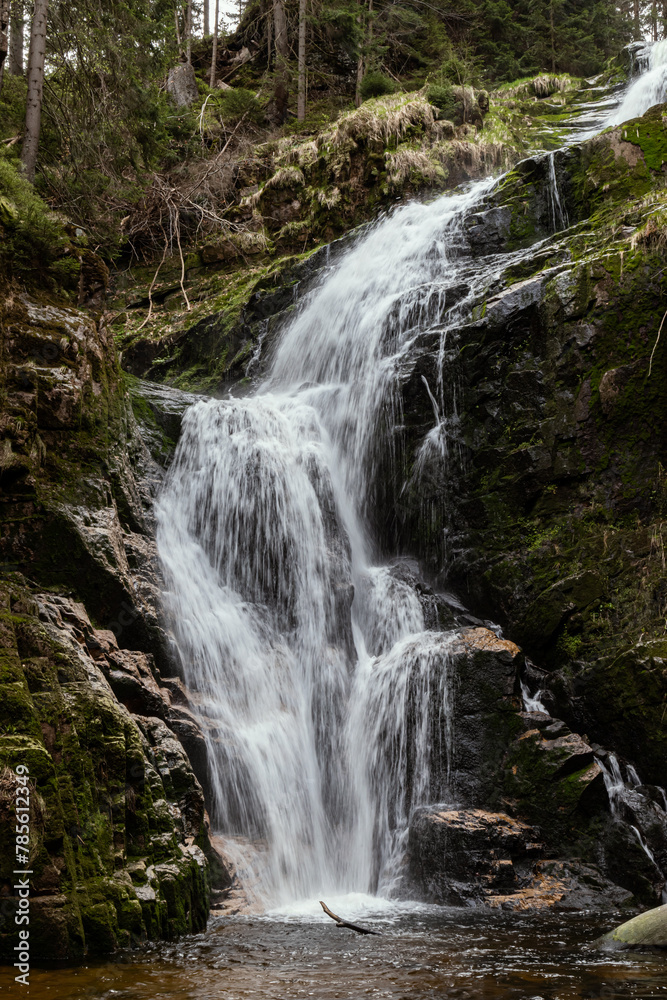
376,84
445,101
34,246
239,103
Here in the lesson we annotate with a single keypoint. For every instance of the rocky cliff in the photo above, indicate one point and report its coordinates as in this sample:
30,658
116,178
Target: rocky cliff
90,702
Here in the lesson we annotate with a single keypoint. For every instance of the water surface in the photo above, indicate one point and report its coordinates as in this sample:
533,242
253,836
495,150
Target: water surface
424,952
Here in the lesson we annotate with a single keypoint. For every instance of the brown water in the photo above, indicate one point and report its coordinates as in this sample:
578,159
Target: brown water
425,954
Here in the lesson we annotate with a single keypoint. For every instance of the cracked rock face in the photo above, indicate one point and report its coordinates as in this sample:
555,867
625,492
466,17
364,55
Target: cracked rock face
116,805
90,696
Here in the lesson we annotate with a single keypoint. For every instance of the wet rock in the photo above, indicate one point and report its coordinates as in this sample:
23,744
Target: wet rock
459,855
563,886
464,856
112,797
551,777
485,710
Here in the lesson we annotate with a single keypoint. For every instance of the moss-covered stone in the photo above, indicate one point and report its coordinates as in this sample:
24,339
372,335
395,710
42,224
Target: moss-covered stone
98,800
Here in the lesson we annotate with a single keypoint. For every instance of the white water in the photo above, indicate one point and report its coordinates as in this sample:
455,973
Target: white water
532,702
327,724
649,89
627,802
328,720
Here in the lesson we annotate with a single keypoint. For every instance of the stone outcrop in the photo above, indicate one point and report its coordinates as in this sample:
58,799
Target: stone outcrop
118,823
90,696
554,514
464,856
182,85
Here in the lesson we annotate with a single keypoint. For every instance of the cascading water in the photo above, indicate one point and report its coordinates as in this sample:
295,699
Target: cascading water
320,712
649,89
326,705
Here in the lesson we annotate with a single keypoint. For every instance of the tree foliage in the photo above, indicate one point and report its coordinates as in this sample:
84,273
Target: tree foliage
109,128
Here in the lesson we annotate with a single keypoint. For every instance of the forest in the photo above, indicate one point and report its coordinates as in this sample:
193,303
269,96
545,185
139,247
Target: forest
102,125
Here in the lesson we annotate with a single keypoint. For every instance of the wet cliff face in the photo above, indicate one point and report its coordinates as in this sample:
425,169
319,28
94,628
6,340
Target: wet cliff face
552,506
88,698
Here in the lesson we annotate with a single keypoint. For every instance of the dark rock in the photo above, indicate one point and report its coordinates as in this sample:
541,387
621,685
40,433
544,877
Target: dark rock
464,856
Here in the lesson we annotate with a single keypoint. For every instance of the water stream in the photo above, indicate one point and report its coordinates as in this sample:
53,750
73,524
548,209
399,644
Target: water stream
319,687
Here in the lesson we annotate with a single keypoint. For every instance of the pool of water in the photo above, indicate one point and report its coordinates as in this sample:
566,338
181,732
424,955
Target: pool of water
422,952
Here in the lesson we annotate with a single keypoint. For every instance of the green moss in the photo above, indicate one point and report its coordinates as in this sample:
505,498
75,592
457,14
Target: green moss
94,791
649,134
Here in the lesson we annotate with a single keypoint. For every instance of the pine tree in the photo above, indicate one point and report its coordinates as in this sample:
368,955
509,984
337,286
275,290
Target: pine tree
4,36
33,116
16,38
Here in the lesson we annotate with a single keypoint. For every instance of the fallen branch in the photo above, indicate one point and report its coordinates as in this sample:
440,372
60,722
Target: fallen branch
650,364
346,923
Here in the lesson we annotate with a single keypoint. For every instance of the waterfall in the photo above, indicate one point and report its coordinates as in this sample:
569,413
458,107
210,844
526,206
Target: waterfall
558,212
648,89
326,704
327,718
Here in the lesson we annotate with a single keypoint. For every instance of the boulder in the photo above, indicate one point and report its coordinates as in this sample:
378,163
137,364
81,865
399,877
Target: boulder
466,856
182,85
648,930
458,855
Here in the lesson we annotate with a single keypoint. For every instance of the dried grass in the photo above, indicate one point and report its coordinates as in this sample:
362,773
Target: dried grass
286,177
328,198
406,164
653,235
382,119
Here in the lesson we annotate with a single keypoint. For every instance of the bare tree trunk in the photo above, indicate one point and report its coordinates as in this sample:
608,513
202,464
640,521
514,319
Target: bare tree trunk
4,36
206,19
637,25
188,31
269,39
178,33
664,19
361,62
553,36
654,21
301,104
16,39
282,55
214,57
33,114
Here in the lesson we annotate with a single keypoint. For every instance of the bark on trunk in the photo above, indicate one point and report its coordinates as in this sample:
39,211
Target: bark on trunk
4,36
178,33
188,31
206,26
360,62
214,56
16,39
282,55
33,115
637,26
301,104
